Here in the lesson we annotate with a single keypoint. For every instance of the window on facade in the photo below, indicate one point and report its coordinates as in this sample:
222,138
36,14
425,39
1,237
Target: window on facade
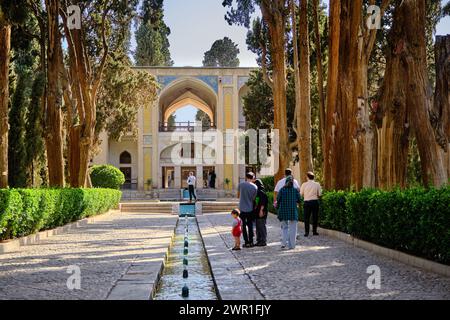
125,158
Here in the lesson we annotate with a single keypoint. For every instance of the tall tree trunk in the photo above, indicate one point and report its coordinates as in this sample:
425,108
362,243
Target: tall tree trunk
85,84
441,107
339,156
304,112
320,85
275,19
298,98
392,123
53,116
349,150
418,95
406,103
330,164
5,47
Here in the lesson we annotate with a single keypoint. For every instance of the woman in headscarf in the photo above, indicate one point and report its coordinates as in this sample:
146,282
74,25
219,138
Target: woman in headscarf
261,210
287,200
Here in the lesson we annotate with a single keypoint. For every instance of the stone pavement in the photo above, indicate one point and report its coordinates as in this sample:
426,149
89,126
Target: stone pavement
231,280
123,251
319,268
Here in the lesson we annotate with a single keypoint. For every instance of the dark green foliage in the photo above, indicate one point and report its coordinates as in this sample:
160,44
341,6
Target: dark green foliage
34,143
14,11
223,53
107,176
415,221
203,118
152,36
16,146
10,206
269,183
333,213
25,211
124,90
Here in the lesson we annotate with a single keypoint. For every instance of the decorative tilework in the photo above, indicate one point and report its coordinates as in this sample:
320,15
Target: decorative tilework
242,81
212,81
148,140
227,80
164,81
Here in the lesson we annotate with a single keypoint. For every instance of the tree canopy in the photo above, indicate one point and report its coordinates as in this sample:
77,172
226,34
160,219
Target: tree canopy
223,53
152,42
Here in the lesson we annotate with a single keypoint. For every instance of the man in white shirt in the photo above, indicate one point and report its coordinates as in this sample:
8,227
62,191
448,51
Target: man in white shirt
191,185
280,184
311,192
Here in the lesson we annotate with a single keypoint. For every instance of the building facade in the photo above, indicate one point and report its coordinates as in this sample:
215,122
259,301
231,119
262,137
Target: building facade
164,152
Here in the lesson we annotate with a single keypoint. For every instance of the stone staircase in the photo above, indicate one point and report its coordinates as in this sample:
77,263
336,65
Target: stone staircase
175,195
148,207
219,206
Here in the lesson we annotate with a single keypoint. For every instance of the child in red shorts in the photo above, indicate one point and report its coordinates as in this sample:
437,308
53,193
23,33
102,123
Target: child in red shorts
237,229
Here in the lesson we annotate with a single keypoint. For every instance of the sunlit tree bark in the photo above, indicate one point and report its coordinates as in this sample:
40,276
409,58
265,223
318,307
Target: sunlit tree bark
406,102
53,113
5,46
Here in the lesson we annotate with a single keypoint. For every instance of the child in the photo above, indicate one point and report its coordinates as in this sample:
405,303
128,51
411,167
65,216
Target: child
237,229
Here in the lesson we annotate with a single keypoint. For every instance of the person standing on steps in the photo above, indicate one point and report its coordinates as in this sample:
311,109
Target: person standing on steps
247,191
311,192
212,180
191,185
287,200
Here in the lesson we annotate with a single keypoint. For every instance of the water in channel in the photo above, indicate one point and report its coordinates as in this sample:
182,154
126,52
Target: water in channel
199,281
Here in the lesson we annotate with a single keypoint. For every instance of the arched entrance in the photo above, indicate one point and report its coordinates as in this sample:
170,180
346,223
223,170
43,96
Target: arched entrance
187,91
173,172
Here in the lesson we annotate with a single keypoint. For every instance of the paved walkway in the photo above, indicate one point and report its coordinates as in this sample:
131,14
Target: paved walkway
110,252
319,268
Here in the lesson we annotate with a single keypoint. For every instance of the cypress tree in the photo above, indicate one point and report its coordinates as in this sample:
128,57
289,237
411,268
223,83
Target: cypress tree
16,147
152,40
35,156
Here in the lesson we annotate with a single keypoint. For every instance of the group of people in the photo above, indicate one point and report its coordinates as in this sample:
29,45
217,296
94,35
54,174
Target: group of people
253,208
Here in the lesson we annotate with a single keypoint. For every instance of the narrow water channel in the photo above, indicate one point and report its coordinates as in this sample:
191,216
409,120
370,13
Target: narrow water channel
199,281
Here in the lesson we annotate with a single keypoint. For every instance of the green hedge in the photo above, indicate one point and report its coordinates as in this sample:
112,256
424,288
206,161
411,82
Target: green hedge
269,183
107,176
26,211
415,221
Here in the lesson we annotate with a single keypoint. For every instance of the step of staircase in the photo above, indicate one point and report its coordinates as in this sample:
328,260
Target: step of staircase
211,207
150,207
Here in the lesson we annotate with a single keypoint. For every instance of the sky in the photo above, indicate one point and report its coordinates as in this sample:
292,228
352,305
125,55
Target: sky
196,24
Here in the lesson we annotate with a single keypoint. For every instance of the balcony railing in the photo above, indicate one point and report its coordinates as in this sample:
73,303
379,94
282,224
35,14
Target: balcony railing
182,126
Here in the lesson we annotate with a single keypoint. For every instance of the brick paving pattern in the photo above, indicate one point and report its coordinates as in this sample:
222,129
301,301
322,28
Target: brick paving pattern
104,251
325,268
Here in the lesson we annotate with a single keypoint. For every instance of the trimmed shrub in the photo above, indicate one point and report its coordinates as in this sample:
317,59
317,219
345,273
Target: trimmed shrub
269,183
333,213
10,212
25,211
107,176
415,221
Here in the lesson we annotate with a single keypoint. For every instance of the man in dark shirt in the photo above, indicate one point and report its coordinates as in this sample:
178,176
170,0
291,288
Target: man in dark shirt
261,211
212,180
247,191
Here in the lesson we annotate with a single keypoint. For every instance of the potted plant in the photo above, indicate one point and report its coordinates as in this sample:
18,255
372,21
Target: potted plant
149,184
227,183
228,192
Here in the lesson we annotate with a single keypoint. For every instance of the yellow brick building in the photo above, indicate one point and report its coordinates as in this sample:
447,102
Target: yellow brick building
159,155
